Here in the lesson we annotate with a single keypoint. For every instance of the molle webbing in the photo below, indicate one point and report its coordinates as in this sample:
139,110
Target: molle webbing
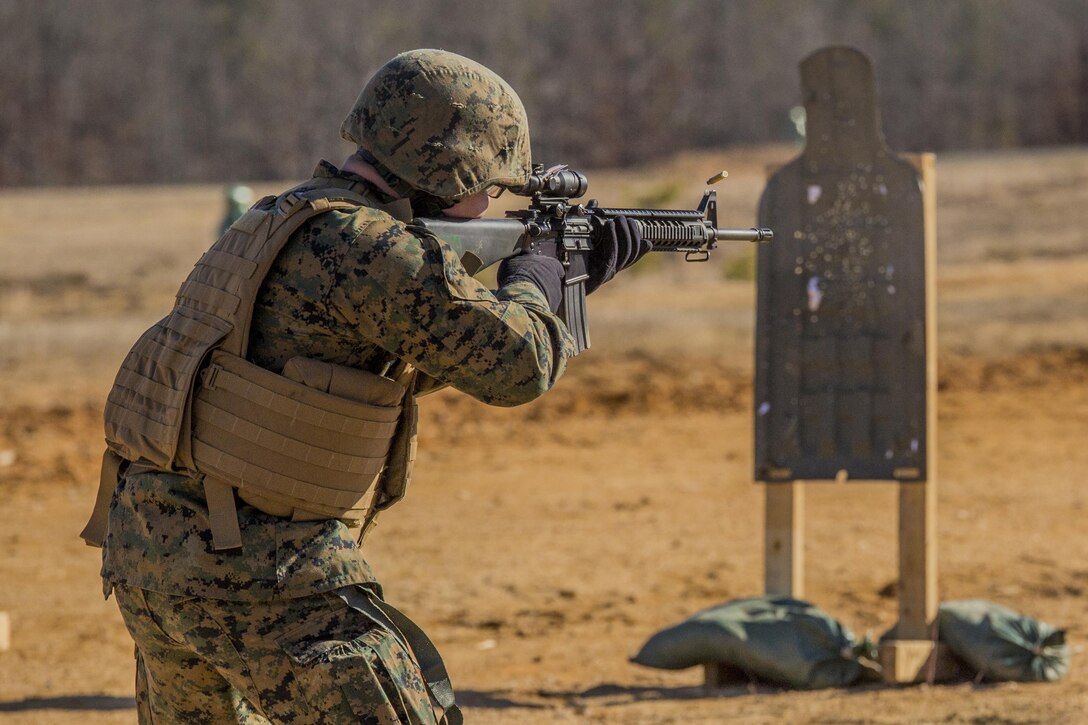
146,406
306,446
272,434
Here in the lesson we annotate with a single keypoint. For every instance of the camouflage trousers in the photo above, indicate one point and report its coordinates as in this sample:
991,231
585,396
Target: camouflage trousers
313,659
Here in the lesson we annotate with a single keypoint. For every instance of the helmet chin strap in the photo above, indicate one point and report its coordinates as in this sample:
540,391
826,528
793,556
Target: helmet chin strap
423,204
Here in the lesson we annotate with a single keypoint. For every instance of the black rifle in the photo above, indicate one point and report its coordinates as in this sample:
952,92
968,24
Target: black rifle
554,226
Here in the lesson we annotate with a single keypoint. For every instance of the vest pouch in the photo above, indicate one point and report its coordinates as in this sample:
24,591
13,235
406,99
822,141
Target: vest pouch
341,381
294,449
344,382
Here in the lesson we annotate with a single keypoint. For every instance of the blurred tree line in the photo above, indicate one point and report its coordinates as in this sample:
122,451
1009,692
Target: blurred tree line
183,90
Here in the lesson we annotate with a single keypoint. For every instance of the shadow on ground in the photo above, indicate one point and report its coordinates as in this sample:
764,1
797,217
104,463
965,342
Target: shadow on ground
619,694
615,695
491,701
606,694
69,702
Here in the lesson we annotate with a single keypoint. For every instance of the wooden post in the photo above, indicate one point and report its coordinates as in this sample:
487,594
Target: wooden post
912,657
784,539
917,559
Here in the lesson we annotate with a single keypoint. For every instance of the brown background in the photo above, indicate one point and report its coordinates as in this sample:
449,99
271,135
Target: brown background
540,546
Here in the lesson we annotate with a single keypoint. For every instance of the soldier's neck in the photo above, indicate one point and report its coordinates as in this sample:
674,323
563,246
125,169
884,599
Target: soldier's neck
354,165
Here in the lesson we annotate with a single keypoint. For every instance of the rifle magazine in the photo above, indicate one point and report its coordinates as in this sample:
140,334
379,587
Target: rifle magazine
574,315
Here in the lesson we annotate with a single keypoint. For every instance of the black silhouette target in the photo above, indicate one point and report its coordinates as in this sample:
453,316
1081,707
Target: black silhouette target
840,354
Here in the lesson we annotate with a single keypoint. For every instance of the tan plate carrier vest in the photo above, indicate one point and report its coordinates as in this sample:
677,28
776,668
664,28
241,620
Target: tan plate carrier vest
307,444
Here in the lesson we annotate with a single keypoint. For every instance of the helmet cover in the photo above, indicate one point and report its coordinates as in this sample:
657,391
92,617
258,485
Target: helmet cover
442,123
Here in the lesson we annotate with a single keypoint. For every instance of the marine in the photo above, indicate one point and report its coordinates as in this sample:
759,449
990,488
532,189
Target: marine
267,419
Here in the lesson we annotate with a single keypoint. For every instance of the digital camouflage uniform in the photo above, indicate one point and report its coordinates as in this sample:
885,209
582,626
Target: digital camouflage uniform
269,632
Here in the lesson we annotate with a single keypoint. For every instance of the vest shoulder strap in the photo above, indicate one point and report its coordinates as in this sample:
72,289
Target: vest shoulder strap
291,210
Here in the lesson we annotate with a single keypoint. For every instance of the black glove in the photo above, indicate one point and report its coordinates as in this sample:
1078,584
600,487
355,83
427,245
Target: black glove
617,244
545,272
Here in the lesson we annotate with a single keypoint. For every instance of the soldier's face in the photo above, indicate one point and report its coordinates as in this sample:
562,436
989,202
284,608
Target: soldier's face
471,207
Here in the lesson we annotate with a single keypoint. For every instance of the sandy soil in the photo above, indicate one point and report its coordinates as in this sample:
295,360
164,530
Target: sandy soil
541,546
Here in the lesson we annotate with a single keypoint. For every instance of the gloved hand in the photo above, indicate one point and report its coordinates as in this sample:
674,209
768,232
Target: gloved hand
545,272
617,244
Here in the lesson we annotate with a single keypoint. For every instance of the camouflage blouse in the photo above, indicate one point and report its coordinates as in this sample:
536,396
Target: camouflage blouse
358,289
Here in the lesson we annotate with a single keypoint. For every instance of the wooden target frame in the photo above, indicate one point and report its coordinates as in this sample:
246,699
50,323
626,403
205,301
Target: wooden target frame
845,386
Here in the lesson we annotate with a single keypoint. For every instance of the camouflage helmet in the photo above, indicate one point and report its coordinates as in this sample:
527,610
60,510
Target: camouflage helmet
443,124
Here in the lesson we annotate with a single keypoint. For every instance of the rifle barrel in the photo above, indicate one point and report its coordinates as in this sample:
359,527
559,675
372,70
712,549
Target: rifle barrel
761,235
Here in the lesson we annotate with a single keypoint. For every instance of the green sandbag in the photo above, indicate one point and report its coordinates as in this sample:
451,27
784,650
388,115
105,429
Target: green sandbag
779,640
1003,645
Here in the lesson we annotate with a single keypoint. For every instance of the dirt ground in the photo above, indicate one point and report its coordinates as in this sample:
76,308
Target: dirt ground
540,546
